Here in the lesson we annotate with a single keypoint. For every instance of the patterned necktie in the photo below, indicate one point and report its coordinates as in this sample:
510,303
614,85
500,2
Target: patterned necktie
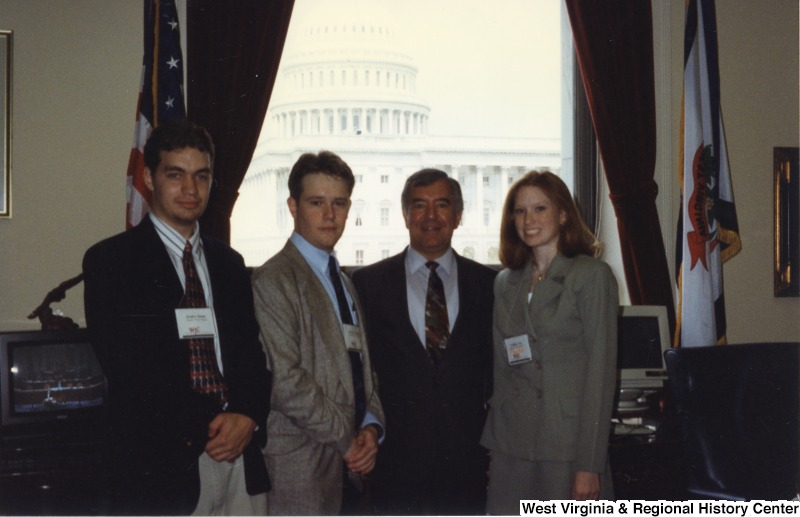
437,324
356,367
203,369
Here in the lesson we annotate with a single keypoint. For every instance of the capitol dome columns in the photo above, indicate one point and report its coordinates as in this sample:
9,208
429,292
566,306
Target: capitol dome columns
478,173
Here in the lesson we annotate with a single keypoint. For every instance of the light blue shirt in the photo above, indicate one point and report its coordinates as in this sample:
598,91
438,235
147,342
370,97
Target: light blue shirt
317,259
417,274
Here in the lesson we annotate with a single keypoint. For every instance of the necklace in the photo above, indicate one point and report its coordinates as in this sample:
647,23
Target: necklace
537,279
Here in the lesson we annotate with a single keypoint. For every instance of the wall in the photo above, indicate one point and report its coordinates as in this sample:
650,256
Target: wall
76,75
760,81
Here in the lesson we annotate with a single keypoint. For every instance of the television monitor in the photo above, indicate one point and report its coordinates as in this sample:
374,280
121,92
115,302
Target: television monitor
643,337
49,378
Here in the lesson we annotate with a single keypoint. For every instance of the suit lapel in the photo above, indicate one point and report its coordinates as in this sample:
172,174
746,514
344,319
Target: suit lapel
467,299
218,274
514,298
319,304
398,303
552,286
156,266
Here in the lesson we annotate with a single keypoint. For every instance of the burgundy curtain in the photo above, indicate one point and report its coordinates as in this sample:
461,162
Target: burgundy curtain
233,52
614,45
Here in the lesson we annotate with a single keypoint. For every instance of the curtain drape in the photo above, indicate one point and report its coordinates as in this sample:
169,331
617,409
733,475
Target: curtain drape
233,52
614,45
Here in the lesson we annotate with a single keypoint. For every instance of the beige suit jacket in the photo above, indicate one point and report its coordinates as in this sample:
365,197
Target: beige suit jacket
311,423
558,406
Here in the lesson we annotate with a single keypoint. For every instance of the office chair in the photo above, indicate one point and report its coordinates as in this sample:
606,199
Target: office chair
738,409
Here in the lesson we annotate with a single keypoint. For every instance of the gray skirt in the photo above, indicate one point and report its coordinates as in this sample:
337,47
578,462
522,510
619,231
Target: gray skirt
513,479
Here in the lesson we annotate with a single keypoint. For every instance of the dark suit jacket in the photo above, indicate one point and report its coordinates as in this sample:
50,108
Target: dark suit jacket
159,424
431,460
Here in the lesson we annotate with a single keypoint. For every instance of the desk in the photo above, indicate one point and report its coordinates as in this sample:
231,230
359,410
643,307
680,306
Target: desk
58,478
649,467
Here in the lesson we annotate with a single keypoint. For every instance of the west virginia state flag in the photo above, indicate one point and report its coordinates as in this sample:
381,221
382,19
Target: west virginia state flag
160,95
708,231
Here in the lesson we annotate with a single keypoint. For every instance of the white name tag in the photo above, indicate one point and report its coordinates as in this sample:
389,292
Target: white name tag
518,349
196,323
353,338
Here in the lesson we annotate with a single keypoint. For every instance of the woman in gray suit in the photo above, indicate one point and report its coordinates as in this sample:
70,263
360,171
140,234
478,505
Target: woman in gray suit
555,353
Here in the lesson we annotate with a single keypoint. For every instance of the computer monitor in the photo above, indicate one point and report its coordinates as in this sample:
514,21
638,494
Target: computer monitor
643,338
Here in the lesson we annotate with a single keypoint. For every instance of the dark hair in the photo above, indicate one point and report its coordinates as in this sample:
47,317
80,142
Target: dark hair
426,177
176,134
324,162
574,238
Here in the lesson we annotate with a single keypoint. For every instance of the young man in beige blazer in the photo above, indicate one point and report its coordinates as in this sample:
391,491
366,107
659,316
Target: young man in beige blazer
326,419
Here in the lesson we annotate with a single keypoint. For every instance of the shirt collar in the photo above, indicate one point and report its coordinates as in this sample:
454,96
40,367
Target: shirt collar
415,261
317,258
173,239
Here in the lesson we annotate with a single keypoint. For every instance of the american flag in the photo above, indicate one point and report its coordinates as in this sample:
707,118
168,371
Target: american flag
160,96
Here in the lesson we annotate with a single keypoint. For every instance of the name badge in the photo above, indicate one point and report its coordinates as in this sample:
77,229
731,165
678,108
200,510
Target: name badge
196,323
353,338
518,349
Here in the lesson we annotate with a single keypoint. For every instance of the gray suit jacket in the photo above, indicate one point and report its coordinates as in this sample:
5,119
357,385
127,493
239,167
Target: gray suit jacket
558,406
311,424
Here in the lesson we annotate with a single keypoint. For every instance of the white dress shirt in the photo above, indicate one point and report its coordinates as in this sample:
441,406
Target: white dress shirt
417,274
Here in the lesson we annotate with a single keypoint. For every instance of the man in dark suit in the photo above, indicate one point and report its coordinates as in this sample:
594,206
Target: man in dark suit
171,318
428,314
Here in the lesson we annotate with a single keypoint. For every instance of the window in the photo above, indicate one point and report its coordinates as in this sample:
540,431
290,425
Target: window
359,257
510,92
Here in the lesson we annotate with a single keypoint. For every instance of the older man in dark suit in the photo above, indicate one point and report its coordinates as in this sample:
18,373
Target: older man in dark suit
428,314
171,317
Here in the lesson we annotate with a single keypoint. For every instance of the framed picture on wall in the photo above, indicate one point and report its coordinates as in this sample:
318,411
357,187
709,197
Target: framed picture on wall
787,221
5,123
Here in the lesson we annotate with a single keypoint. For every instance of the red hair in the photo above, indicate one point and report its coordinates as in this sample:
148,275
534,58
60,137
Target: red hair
575,238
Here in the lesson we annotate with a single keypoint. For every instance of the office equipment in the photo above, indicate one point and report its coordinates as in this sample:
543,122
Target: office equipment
49,383
643,336
52,424
738,411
